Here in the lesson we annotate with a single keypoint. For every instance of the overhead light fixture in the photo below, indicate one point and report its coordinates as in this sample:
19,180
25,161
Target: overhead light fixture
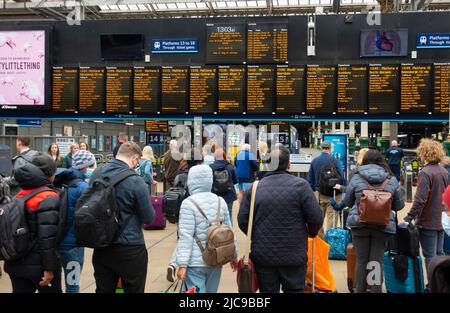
129,124
100,122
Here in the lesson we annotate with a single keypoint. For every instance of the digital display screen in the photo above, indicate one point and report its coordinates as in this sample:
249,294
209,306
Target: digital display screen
267,43
91,90
320,89
384,43
202,89
232,89
146,89
225,43
415,88
156,126
122,46
65,89
260,89
441,87
118,89
352,89
174,85
383,88
290,89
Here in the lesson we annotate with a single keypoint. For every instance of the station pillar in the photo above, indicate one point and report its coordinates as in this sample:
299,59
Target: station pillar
385,136
342,127
351,138
364,139
333,127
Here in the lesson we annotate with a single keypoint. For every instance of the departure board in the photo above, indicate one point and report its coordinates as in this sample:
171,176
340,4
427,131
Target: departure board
260,89
118,89
225,43
441,87
267,43
320,89
383,88
352,89
156,126
174,85
91,90
231,91
290,89
202,89
415,88
146,89
65,89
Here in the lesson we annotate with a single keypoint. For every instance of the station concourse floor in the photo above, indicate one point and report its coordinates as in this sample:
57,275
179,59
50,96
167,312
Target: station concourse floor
160,245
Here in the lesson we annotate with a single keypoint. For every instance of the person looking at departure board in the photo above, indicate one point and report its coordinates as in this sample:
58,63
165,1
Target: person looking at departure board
394,155
53,152
171,164
67,162
122,138
246,166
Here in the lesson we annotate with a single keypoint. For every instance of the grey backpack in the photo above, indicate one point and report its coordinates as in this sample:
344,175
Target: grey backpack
220,248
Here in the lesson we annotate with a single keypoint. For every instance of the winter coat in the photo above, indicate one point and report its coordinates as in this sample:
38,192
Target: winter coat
171,167
230,196
74,179
18,161
246,166
286,212
42,214
192,222
375,175
67,161
146,171
316,166
133,200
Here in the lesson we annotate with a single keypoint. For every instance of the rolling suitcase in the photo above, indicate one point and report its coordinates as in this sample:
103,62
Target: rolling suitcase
338,239
160,219
351,268
403,274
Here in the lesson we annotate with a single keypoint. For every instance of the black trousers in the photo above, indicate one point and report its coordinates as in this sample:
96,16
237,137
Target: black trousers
126,262
291,279
31,284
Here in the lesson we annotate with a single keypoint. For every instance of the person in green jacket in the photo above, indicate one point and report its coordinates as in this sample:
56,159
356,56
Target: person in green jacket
67,162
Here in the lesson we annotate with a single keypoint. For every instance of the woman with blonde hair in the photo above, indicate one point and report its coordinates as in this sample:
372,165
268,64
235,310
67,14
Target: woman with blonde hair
427,207
145,169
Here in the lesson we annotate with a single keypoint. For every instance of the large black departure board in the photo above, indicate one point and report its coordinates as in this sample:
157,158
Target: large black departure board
441,87
260,89
174,85
203,89
415,88
290,89
320,89
267,43
352,89
146,89
91,90
65,89
118,89
225,43
232,89
383,89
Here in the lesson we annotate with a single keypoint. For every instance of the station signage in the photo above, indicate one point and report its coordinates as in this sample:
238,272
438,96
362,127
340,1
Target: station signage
174,45
430,41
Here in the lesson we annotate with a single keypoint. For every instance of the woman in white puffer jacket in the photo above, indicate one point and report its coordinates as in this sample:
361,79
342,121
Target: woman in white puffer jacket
192,269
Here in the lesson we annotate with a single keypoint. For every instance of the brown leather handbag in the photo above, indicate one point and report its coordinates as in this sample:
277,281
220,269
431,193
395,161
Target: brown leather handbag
375,205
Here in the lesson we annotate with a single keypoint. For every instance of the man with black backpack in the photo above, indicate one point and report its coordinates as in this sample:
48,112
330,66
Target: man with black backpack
109,218
32,220
324,173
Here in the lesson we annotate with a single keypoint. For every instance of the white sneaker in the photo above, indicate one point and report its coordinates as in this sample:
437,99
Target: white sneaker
171,269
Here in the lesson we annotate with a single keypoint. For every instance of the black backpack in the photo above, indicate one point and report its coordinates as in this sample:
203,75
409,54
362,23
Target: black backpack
221,181
5,192
15,240
328,177
96,217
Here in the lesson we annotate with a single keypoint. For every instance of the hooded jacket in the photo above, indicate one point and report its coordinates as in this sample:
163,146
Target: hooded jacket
229,196
375,175
42,214
192,222
18,161
74,179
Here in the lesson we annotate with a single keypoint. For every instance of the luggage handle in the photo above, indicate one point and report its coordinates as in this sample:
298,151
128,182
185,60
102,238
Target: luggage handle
313,267
334,213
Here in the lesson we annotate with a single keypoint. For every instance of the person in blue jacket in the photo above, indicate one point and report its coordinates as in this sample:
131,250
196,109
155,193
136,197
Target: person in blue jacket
394,155
72,256
246,166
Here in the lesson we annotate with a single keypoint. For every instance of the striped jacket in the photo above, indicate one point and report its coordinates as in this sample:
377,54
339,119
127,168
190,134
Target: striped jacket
427,207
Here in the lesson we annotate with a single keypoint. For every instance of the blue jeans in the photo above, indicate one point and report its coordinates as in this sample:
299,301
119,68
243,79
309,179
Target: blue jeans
432,243
230,211
72,260
206,279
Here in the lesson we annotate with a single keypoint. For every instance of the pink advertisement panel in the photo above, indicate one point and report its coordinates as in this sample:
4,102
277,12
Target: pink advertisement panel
22,67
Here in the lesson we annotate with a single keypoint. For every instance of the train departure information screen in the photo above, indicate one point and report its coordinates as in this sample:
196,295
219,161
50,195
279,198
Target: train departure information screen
156,126
118,89
441,87
202,89
352,89
260,89
290,89
383,88
320,89
146,89
267,43
225,43
174,84
65,89
92,83
415,88
231,91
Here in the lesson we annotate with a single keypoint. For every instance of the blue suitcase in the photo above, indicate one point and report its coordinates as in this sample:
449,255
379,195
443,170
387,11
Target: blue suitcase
414,282
338,239
446,244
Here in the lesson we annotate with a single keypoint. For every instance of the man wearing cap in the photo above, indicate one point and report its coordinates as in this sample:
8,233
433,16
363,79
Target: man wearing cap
72,256
317,164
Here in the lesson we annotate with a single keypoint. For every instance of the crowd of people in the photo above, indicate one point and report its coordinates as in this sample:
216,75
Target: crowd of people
287,211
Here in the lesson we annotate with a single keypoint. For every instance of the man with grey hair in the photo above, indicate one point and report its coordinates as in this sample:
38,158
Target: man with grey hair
171,164
394,157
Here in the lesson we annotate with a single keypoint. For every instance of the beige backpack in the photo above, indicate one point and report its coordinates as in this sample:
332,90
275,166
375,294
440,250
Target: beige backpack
220,248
